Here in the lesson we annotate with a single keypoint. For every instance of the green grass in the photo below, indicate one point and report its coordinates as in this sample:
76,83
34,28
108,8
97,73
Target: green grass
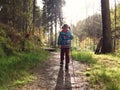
83,57
103,72
105,79
16,59
15,68
112,86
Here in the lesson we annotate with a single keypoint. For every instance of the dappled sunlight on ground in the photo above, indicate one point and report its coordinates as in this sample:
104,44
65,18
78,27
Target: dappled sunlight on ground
51,77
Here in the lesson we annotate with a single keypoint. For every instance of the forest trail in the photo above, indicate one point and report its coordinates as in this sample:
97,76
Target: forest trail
51,77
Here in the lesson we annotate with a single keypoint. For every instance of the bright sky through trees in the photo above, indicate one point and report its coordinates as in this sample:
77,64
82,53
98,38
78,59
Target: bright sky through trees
76,10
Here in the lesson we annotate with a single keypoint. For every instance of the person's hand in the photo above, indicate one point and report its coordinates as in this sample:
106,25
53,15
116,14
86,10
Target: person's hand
59,46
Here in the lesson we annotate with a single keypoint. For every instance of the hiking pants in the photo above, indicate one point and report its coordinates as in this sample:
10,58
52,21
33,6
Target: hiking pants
65,52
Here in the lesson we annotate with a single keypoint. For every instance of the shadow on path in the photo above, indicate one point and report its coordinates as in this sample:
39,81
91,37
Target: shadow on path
63,80
50,76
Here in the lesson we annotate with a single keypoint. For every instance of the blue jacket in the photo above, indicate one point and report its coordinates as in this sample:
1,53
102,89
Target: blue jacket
64,39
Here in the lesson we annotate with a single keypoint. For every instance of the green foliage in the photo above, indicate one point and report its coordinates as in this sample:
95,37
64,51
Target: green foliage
12,41
18,54
16,67
90,27
105,73
28,45
112,86
2,53
83,57
105,78
3,40
52,12
17,13
117,17
117,53
101,76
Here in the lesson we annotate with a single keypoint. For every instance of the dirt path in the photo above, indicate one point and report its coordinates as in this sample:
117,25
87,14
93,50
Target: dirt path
51,77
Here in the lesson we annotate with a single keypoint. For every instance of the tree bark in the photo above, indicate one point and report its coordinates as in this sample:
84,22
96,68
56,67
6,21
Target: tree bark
106,25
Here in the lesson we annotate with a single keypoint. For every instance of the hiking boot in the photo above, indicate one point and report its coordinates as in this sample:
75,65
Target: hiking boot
67,66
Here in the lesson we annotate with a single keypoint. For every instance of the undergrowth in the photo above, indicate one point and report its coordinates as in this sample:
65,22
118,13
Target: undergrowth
103,70
83,57
18,56
18,66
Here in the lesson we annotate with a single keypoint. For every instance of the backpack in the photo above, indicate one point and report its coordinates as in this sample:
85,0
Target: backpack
66,41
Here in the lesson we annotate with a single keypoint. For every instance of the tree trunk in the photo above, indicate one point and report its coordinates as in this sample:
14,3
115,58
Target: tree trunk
106,25
115,16
34,6
55,32
51,35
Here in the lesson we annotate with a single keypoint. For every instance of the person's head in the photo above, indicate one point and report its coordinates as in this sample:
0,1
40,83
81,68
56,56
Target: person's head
65,26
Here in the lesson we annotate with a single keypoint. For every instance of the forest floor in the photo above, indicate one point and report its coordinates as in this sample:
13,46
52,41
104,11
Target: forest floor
50,76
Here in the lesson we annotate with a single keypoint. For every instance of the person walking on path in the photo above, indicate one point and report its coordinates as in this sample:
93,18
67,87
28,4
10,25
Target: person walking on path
64,43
